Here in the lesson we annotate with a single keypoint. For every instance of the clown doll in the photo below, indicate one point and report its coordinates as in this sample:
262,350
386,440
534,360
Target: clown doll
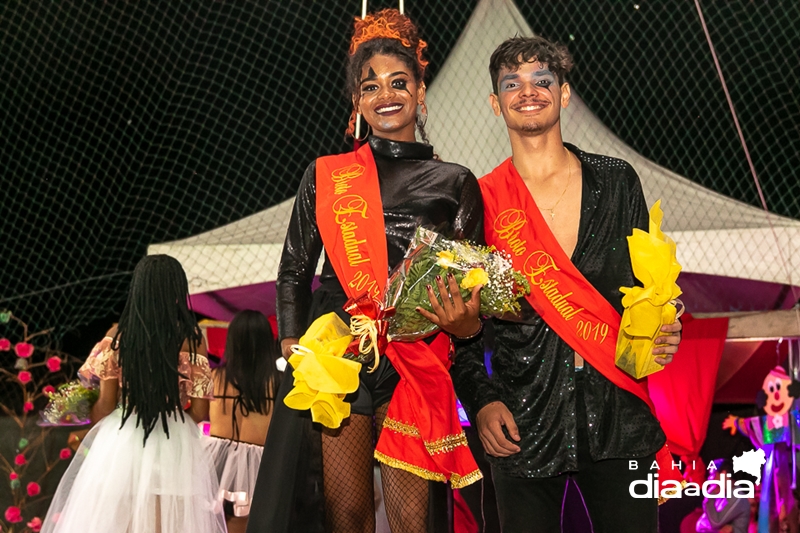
772,432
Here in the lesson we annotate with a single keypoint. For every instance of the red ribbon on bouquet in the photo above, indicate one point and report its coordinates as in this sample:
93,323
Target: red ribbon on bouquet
369,324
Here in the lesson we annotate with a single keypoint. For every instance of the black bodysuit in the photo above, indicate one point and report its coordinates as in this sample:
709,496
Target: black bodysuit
416,190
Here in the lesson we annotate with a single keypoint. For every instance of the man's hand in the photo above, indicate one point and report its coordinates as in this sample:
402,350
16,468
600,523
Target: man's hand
453,315
286,346
671,341
490,421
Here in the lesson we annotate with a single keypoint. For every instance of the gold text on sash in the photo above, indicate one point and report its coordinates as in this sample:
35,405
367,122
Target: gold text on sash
346,208
536,267
508,225
341,177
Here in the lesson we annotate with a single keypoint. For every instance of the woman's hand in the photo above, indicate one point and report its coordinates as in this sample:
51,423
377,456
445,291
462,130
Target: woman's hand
75,438
453,315
672,340
286,346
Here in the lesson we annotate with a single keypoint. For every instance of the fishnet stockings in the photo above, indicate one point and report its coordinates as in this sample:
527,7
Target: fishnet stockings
347,477
348,482
405,494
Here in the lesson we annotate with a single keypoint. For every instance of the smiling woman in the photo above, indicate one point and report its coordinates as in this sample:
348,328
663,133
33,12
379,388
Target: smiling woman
385,73
364,207
389,97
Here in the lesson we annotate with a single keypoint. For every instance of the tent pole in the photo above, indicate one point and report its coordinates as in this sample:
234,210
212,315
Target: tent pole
358,115
794,368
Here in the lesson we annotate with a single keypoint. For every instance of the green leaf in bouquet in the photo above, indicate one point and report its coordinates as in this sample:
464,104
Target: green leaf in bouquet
430,255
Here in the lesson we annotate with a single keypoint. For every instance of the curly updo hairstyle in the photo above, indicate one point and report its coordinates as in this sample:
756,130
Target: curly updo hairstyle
386,32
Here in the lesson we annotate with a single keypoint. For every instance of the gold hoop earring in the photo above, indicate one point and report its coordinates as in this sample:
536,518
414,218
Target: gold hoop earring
369,130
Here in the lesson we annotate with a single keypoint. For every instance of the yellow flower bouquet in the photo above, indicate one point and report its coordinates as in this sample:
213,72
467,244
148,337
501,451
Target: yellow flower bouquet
430,255
652,305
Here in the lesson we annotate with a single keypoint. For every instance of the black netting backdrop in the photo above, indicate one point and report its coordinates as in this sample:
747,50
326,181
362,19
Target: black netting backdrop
130,123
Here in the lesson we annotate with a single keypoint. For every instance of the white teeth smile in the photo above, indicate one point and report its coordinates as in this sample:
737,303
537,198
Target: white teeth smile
389,109
531,108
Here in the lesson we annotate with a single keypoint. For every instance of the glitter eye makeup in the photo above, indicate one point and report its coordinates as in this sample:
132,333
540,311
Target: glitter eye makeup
541,78
544,79
509,82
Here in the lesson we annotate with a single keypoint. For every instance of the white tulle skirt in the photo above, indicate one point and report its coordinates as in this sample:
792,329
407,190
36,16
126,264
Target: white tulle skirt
116,485
237,467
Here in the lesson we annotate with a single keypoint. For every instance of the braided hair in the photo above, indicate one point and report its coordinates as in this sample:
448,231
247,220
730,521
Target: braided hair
250,354
386,32
154,324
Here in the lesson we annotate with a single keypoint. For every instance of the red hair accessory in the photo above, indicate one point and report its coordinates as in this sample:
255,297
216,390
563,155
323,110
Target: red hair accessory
389,24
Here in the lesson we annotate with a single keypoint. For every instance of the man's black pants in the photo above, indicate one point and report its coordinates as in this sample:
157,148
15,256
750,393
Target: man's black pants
534,505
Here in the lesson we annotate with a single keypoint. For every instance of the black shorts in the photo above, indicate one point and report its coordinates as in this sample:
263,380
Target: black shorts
374,388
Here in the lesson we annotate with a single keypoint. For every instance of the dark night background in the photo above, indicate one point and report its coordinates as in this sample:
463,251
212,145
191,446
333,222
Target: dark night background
128,123
131,123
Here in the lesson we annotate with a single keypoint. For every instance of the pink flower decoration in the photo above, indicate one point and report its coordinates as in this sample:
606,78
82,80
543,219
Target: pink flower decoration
13,515
64,454
24,377
27,407
49,389
54,364
20,460
5,345
33,488
12,476
35,524
24,349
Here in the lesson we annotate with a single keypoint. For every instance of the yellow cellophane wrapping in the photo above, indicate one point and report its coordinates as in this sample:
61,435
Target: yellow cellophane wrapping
322,377
649,307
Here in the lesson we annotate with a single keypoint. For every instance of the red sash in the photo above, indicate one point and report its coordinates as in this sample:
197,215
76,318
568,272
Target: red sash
422,433
566,300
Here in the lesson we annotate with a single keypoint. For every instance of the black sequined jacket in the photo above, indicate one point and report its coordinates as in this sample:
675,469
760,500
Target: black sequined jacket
416,190
532,368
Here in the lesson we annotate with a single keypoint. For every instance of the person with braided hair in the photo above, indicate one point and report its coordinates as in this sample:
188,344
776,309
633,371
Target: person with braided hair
142,468
363,207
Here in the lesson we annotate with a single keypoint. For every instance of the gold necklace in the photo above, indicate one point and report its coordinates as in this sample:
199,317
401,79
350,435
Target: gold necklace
569,178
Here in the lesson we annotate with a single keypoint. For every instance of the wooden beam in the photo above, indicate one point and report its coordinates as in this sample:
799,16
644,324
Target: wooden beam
761,325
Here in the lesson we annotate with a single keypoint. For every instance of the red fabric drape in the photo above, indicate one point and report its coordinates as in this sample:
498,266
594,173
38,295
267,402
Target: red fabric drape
463,519
684,390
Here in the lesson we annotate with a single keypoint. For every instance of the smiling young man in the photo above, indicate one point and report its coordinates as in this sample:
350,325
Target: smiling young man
555,407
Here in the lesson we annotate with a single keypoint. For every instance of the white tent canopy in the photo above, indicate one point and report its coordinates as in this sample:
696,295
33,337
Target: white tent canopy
715,234
241,253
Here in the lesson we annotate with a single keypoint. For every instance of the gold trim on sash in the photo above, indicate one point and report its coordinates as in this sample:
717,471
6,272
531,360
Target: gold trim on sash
458,482
409,430
446,444
421,472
